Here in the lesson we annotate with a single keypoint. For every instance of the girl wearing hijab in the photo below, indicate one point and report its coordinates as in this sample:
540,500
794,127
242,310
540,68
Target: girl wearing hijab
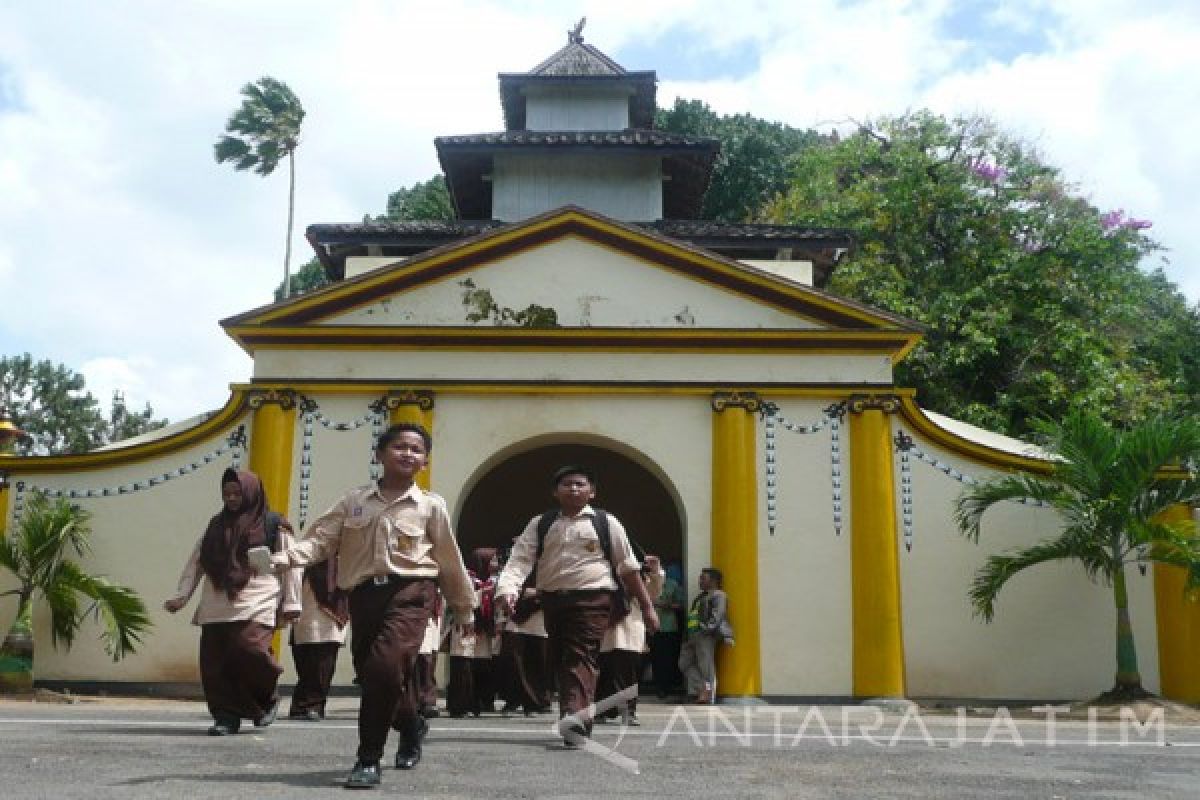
239,608
471,688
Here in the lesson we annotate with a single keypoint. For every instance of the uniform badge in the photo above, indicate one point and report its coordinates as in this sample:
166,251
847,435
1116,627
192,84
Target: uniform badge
591,547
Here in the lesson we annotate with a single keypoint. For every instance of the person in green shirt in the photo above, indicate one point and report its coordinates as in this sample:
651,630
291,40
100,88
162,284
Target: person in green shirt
664,645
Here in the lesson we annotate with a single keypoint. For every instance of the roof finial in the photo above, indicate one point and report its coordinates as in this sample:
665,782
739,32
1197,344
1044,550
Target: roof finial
575,35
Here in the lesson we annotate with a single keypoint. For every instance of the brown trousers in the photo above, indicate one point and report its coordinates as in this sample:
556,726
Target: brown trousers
619,669
237,669
427,680
575,624
523,679
388,625
315,665
470,689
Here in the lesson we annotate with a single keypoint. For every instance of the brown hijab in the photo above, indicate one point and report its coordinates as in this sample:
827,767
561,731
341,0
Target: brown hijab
231,533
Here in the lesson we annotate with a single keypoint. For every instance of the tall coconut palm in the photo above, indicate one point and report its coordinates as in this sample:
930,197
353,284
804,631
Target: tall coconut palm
265,129
1111,487
39,553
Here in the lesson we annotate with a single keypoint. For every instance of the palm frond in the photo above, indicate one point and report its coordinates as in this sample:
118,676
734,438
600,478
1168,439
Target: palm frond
976,500
998,569
61,597
121,611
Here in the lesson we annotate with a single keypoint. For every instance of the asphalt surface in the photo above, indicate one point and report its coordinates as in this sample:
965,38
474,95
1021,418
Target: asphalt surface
159,749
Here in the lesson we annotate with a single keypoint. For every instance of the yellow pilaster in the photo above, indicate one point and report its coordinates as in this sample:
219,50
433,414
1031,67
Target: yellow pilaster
271,445
3,503
414,406
878,636
1178,623
735,538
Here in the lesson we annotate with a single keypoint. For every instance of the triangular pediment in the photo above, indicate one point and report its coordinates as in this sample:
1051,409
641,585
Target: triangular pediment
595,274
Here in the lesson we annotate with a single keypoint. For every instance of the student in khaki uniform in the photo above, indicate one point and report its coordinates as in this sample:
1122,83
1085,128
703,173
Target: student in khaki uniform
470,687
394,548
316,638
576,581
623,646
239,608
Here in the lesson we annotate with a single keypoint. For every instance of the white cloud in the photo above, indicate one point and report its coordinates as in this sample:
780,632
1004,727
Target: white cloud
122,243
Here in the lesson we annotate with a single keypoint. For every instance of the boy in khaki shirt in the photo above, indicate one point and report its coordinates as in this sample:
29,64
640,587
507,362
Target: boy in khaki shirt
394,548
575,582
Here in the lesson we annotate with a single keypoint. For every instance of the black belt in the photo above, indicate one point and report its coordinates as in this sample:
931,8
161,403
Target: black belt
390,579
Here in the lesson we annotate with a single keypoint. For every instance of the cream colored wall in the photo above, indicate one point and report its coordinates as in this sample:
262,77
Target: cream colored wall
1053,632
140,540
588,286
498,365
804,569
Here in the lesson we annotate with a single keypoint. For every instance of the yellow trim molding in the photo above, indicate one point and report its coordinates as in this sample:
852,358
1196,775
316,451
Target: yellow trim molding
218,423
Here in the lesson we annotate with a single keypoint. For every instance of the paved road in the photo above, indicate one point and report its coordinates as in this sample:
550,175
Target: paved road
159,750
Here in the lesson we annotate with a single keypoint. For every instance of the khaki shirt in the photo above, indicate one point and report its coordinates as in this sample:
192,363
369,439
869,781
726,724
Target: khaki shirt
572,557
371,536
260,600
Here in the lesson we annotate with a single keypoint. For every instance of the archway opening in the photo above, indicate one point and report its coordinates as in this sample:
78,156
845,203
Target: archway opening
502,501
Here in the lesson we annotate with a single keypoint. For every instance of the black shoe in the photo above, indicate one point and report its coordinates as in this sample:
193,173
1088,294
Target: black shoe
269,717
363,776
224,727
413,733
430,712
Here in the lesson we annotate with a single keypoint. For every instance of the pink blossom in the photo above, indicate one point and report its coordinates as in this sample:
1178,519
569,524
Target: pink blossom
993,173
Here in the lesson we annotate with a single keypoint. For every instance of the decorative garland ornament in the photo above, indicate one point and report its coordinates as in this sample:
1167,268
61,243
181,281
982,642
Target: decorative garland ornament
906,446
310,414
834,415
235,444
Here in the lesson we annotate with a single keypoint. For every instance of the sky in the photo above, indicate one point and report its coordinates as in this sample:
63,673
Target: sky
123,243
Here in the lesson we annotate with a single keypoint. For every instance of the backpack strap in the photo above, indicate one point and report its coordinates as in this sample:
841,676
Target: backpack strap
599,522
271,530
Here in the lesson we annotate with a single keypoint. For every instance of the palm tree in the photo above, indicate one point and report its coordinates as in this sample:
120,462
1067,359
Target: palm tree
38,552
265,129
1111,487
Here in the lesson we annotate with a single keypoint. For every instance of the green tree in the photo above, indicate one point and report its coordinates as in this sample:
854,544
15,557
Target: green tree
309,277
1034,299
40,553
424,200
1111,487
264,130
50,402
755,159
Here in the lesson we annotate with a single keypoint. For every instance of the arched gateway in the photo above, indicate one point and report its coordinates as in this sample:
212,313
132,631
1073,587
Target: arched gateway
514,484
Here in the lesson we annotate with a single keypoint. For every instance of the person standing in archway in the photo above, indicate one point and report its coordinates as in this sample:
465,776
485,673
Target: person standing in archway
582,556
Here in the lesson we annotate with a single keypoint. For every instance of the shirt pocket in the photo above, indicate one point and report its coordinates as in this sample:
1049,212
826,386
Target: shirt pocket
407,539
354,530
